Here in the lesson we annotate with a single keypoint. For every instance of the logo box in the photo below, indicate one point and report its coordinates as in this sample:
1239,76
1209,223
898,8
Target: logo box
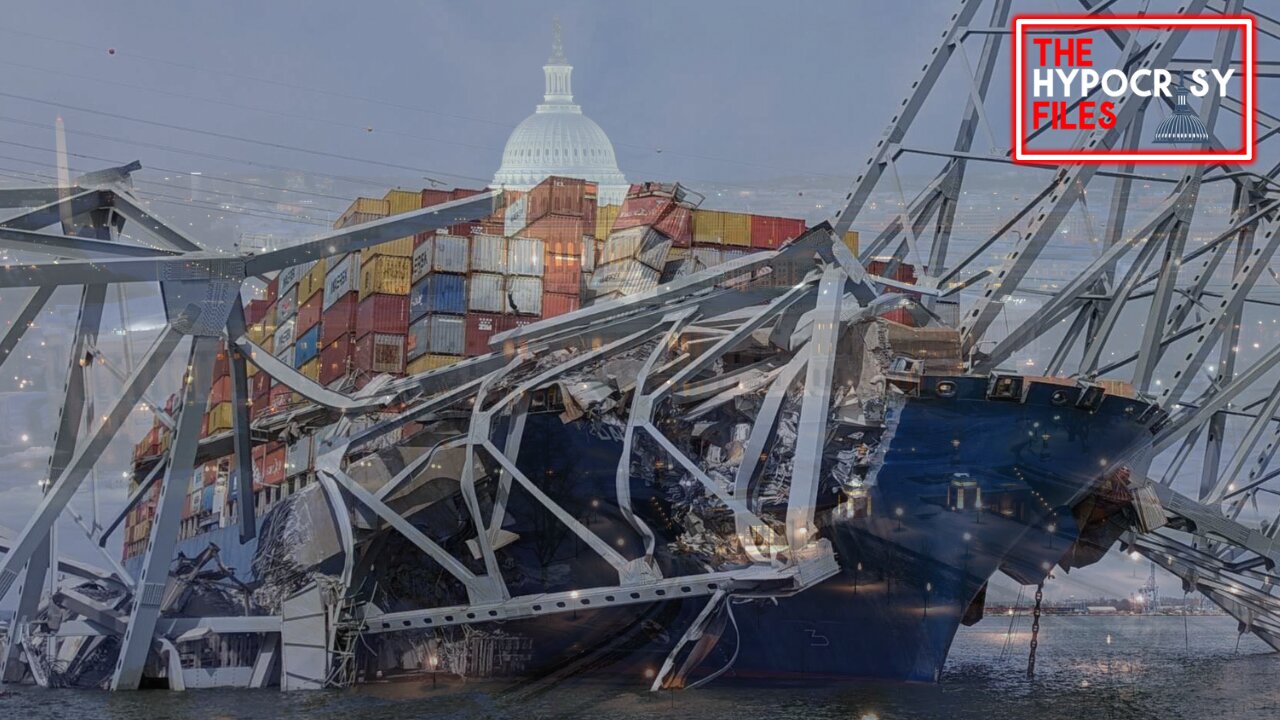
1248,78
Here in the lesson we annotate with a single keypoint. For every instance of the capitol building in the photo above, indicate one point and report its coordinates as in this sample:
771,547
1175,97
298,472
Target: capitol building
557,139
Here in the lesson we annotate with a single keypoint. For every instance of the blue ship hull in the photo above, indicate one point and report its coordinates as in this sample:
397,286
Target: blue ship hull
910,569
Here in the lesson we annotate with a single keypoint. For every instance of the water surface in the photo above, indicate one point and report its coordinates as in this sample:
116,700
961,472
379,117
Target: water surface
1146,671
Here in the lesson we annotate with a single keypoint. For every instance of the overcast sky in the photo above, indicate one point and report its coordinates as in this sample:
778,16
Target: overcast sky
710,91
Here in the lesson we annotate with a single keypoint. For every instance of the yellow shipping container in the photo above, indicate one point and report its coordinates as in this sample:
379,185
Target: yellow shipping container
708,227
363,210
606,216
313,280
311,368
851,241
385,274
737,229
402,201
430,362
220,418
258,332
395,248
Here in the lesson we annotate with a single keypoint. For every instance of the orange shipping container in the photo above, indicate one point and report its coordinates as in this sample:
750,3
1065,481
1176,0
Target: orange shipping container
606,216
220,418
403,201
554,304
386,274
362,210
708,227
427,363
561,274
313,280
221,390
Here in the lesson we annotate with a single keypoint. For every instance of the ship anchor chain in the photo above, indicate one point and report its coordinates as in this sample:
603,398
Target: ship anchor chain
1035,632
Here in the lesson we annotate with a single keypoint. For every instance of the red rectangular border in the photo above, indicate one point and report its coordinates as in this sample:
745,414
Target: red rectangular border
1243,155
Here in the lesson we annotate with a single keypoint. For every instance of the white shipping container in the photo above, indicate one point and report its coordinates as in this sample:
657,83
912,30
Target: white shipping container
654,252
588,253
342,278
485,292
290,276
626,276
284,337
287,304
524,256
443,253
514,218
524,295
422,259
450,254
708,256
447,335
297,456
623,244
488,253
286,355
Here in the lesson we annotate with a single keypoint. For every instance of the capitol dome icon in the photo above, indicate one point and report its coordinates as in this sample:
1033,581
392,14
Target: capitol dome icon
557,139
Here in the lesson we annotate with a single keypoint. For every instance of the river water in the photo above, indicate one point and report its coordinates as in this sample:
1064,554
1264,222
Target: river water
1145,671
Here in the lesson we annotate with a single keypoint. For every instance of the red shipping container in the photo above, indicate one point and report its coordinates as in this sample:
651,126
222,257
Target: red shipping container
421,238
273,464
435,197
339,319
380,353
308,313
256,310
589,207
554,304
335,358
221,390
560,235
479,328
259,457
280,397
561,274
260,385
382,313
906,272
769,233
221,363
459,193
466,229
273,289
655,205
555,196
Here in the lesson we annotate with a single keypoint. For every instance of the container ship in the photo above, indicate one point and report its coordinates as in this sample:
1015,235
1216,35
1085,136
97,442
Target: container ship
647,526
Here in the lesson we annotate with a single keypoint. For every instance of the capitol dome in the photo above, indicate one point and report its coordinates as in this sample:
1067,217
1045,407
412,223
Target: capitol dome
558,139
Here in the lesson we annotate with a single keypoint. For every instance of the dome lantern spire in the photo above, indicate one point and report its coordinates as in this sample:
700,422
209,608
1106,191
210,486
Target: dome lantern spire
557,44
558,71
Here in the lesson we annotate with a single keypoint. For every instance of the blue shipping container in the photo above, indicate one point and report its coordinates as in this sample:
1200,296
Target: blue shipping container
206,499
419,298
438,293
306,346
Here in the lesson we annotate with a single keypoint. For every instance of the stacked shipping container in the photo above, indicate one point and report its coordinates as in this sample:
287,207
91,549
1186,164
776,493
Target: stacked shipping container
416,304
